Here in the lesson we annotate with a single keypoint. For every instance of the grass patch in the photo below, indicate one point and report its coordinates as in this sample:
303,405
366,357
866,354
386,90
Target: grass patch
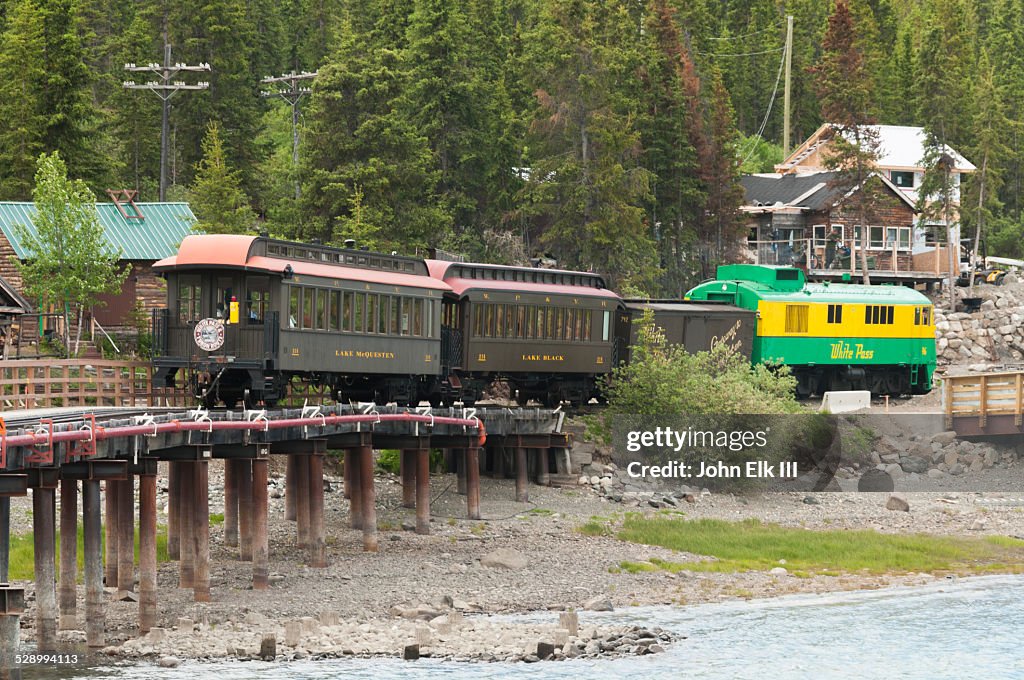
593,528
752,546
22,553
216,518
542,512
638,567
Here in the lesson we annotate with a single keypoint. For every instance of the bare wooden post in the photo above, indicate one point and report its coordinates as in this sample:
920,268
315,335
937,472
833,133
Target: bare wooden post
369,498
422,460
147,552
409,483
201,532
302,480
95,614
473,482
126,536
186,567
460,471
261,546
230,504
353,482
110,547
289,488
68,553
173,510
543,473
5,537
317,542
43,530
522,492
243,478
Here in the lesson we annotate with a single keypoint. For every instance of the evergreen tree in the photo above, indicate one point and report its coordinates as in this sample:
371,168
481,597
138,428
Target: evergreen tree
22,122
845,88
367,173
216,197
586,186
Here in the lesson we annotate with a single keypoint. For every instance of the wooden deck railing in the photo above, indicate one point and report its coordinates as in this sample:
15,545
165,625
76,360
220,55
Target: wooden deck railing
83,382
985,395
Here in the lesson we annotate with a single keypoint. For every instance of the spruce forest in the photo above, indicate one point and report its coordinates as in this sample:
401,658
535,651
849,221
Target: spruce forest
609,135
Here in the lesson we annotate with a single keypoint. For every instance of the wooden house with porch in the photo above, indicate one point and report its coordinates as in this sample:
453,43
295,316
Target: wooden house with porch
793,218
142,232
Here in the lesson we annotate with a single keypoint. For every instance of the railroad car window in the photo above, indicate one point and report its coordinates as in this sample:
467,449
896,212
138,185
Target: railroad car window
606,326
335,311
294,302
428,321
307,308
879,314
321,310
538,328
521,321
371,313
787,275
395,312
926,316
499,320
417,317
489,321
257,302
569,324
222,302
383,314
406,312
588,321
549,323
190,301
890,313
835,313
796,318
346,313
478,320
359,311
510,321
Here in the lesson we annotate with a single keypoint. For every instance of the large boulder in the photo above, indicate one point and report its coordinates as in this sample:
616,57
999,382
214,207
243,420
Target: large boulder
504,558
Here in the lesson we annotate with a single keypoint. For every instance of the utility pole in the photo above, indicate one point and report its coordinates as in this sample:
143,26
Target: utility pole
165,88
291,92
785,103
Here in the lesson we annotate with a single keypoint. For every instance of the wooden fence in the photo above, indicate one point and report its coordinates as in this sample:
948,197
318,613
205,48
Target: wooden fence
84,382
985,396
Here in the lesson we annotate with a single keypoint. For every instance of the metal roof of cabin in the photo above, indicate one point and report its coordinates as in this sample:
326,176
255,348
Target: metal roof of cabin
157,235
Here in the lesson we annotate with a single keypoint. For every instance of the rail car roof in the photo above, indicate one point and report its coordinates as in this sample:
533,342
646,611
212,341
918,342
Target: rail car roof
460,284
834,293
697,307
239,252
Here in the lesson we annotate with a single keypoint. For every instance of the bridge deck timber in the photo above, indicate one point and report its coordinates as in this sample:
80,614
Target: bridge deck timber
79,449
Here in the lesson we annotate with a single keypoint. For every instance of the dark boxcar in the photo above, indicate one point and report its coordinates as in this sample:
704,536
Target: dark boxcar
548,334
248,314
696,326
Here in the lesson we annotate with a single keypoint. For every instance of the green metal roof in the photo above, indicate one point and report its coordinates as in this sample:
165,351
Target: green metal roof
154,237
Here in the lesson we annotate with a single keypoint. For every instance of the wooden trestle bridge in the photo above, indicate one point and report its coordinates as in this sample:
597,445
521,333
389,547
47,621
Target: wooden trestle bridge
120,448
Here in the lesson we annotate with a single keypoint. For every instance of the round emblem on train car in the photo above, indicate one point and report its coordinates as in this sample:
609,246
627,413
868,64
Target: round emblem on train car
209,334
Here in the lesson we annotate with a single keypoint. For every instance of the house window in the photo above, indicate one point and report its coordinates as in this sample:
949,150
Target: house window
884,238
904,180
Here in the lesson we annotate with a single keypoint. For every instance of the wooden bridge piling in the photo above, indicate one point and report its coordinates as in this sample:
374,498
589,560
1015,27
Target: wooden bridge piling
110,544
353,486
230,504
260,539
473,482
317,537
201,531
126,537
173,505
186,566
289,489
68,553
147,552
95,608
302,493
369,498
522,479
44,544
243,472
422,481
408,474
543,469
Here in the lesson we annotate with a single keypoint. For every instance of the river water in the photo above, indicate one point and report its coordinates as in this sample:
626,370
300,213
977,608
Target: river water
963,628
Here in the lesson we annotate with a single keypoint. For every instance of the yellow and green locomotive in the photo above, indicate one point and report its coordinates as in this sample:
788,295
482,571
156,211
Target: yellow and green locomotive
833,336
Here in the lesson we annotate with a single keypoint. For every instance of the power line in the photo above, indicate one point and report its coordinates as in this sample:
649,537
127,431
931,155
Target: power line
741,54
292,92
768,113
747,35
165,88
